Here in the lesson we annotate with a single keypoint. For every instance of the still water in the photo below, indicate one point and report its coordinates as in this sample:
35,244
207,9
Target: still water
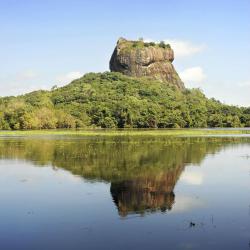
124,193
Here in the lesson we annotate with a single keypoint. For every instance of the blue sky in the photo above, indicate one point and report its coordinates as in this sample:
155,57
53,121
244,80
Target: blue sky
44,43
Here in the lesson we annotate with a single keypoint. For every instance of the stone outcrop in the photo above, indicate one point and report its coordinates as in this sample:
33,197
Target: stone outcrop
140,59
146,194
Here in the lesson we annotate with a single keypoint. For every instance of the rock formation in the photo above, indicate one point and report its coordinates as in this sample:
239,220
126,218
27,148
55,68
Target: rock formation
146,194
138,59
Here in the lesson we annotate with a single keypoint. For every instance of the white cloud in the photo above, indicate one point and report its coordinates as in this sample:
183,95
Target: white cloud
29,80
19,82
182,48
67,78
192,178
244,84
193,77
186,203
26,75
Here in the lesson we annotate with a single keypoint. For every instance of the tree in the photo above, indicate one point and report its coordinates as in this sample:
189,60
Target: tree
162,44
113,100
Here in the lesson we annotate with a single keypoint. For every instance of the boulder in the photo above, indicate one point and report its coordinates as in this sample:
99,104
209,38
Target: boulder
141,59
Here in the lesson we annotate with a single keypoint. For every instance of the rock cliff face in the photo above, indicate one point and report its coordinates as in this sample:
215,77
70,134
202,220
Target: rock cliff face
138,59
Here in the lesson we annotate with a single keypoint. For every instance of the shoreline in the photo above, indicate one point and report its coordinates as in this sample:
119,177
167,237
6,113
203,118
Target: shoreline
130,132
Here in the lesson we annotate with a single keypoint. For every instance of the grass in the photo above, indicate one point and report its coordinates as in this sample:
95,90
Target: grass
130,132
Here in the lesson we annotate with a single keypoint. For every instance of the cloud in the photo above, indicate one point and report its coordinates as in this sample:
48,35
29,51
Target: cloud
182,48
29,80
186,203
67,78
193,76
244,84
19,82
192,178
26,75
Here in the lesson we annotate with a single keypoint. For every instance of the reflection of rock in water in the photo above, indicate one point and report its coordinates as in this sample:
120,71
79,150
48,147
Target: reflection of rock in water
146,194
143,171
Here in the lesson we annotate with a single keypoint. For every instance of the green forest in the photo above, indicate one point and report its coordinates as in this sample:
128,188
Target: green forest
113,100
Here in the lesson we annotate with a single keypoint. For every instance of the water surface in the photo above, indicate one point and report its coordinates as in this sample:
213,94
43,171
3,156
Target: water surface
125,193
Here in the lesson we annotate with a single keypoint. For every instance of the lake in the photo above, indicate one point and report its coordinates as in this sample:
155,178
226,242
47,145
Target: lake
69,192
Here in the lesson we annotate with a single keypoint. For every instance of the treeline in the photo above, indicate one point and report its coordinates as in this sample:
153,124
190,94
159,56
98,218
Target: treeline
112,100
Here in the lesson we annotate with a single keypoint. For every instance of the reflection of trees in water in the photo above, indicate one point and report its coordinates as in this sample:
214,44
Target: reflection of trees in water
142,172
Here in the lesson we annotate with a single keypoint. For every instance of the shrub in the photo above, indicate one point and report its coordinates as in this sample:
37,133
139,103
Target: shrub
162,44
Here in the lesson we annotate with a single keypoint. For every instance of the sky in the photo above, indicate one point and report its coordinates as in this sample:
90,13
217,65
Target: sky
51,42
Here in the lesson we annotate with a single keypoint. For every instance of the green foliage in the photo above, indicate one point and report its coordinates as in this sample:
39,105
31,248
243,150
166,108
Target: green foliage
140,44
163,45
113,100
117,159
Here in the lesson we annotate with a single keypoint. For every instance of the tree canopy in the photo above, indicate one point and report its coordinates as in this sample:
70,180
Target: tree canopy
113,100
